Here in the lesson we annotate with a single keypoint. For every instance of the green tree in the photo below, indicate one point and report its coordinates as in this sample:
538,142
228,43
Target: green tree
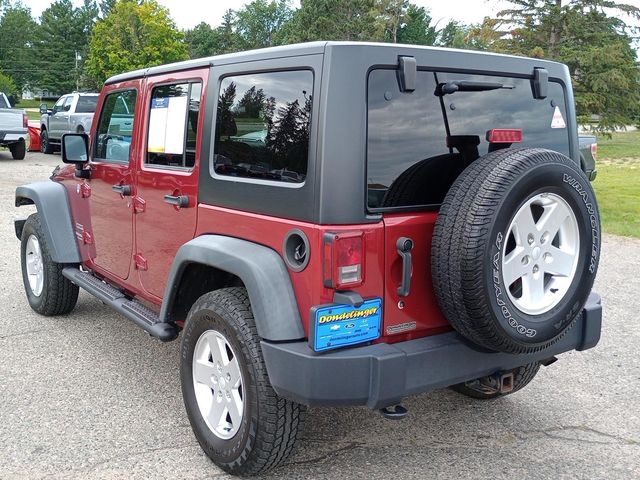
336,20
593,40
417,28
134,35
17,31
201,41
8,87
62,45
260,23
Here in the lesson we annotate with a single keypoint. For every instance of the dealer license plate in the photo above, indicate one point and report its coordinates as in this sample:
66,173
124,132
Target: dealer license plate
335,326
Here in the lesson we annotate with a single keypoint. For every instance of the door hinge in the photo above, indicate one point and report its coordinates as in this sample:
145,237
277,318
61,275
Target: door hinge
87,239
140,261
85,190
139,205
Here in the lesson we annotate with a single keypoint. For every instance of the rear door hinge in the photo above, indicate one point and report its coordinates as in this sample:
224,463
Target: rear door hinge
84,189
140,261
139,205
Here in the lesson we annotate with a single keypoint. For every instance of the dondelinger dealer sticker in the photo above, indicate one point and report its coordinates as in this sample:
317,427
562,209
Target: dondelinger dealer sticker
334,326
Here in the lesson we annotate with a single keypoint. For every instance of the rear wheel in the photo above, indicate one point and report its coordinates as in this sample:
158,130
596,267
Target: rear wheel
18,150
48,291
486,388
238,419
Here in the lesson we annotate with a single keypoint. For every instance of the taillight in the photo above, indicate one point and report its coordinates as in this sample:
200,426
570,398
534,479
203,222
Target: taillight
594,150
25,120
504,135
343,259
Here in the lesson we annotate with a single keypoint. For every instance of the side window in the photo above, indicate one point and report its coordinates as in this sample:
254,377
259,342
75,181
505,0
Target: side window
67,103
115,127
86,104
263,124
58,105
173,125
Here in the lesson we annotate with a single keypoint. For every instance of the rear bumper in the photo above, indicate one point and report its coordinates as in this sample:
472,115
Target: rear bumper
381,375
12,136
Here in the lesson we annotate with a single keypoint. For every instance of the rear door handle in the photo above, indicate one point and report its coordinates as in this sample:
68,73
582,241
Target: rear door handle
124,190
180,201
404,246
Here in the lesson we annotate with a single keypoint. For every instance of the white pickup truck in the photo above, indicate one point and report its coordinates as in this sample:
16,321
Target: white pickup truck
13,128
72,113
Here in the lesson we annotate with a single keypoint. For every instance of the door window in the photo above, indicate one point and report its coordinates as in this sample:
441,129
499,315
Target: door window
115,128
263,124
86,104
58,105
67,104
173,125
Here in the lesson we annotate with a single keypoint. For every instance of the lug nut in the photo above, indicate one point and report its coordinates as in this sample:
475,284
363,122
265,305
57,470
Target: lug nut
530,239
547,257
228,377
525,260
535,269
544,238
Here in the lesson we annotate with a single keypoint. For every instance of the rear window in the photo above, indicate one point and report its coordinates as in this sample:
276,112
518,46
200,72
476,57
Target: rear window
3,104
407,131
87,104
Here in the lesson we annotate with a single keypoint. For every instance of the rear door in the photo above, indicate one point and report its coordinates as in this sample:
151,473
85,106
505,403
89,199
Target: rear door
56,117
167,179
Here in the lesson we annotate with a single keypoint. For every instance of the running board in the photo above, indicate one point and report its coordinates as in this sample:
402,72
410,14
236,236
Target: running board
135,311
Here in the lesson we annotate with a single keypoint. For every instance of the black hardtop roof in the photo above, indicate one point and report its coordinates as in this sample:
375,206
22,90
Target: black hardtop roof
293,50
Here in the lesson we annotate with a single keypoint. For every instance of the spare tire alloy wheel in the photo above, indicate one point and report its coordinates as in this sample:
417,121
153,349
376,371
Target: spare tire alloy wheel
515,249
540,257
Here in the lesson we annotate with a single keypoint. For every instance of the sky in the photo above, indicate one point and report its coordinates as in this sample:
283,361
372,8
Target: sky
188,13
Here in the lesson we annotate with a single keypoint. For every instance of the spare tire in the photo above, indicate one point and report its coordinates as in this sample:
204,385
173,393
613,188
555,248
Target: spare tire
515,249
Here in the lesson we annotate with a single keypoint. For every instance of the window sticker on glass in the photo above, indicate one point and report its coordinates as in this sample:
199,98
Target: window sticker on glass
166,125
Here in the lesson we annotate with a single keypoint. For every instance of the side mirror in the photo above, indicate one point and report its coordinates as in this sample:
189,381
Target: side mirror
75,149
43,108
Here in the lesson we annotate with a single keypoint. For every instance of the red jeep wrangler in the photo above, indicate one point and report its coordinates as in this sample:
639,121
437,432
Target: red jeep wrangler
327,224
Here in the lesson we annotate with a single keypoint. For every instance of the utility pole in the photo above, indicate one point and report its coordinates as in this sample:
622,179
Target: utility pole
77,76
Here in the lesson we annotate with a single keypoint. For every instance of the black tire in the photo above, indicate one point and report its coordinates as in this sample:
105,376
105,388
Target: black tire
270,425
18,150
45,146
470,233
59,295
521,378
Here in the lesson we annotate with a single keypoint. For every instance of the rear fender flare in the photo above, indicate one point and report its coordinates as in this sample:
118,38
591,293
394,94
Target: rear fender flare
50,199
263,273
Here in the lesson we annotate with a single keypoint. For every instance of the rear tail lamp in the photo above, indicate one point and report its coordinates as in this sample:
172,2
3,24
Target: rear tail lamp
594,150
343,260
25,120
504,135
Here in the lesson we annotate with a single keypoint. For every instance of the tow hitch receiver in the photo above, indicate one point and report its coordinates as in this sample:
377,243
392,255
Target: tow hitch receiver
500,382
395,412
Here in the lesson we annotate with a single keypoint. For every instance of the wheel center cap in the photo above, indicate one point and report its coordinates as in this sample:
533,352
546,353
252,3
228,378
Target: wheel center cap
535,253
222,382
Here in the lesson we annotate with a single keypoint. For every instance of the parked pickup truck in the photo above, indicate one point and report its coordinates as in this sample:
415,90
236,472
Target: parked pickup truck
13,128
588,149
72,113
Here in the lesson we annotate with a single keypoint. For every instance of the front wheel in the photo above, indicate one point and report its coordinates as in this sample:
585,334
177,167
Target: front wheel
238,419
48,291
45,145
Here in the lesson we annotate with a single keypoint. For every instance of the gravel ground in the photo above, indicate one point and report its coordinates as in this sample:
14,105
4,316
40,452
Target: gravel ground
90,396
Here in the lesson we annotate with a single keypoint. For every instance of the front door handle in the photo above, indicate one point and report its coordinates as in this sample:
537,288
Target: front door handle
124,190
180,201
404,246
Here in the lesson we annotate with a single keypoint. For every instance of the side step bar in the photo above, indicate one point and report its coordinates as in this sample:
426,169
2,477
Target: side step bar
135,311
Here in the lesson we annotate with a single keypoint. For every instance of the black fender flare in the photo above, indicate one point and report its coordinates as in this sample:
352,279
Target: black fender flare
50,199
263,273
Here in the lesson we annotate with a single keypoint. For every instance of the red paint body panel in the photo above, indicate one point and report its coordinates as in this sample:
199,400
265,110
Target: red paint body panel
420,306
271,231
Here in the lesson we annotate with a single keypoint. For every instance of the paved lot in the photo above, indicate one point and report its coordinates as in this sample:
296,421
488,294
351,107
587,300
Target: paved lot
89,396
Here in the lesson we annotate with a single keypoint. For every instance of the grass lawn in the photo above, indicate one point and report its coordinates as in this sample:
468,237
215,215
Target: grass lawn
33,115
618,183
